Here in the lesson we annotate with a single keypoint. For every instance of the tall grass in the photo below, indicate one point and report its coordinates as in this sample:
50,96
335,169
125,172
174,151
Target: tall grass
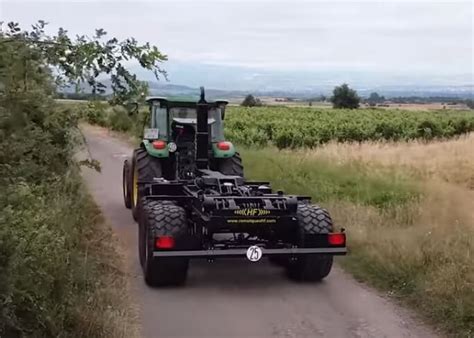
410,223
325,181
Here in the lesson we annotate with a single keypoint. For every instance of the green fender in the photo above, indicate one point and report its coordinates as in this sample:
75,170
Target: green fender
218,153
160,153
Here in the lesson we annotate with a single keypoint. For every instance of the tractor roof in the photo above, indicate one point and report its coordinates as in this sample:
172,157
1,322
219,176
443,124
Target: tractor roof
181,101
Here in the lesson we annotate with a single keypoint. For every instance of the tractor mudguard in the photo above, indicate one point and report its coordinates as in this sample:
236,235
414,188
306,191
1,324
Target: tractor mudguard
160,153
219,153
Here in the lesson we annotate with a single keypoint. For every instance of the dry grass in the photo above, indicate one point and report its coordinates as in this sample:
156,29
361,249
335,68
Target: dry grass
109,311
451,160
420,252
426,258
428,263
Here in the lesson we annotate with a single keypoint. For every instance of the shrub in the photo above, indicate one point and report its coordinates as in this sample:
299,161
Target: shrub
345,97
251,101
120,120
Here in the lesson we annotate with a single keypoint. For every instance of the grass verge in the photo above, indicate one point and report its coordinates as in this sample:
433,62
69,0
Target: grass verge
325,181
409,234
60,273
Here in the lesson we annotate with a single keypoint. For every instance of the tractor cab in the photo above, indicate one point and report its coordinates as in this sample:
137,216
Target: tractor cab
175,120
183,136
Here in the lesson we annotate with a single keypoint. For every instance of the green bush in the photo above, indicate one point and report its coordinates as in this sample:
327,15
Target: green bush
120,120
95,113
50,267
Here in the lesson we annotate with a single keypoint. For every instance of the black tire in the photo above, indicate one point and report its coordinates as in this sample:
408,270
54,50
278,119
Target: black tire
158,218
127,183
146,168
231,165
311,220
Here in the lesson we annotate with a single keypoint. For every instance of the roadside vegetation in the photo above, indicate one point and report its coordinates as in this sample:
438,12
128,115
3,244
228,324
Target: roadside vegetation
60,272
407,209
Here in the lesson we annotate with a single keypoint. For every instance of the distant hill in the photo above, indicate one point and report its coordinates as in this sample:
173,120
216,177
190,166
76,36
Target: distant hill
170,89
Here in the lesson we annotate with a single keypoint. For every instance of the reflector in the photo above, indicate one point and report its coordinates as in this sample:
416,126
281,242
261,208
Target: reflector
223,145
158,144
164,242
337,238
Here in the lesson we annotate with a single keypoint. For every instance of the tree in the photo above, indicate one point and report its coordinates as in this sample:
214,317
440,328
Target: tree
82,60
39,176
375,98
345,97
251,101
470,103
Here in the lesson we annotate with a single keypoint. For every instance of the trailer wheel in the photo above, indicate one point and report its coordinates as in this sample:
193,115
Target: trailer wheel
231,165
311,220
161,218
144,168
126,183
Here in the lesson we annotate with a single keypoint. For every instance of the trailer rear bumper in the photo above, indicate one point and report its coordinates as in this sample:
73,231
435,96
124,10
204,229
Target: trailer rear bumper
243,252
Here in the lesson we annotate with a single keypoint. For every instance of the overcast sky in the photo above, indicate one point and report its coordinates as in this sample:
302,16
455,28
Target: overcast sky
396,37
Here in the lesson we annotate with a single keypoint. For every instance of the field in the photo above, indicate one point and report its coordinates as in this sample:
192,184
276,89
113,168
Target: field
407,209
295,127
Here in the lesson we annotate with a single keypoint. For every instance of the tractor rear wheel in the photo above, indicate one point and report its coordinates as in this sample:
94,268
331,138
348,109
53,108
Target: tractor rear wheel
127,183
161,218
311,267
144,168
231,165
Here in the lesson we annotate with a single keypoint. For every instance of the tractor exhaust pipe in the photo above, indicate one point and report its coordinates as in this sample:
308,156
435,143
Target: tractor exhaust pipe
202,134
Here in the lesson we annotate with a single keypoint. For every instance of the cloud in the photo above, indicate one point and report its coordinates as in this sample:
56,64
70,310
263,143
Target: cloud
423,37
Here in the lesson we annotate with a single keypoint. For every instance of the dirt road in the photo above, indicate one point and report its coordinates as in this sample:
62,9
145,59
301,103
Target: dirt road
235,298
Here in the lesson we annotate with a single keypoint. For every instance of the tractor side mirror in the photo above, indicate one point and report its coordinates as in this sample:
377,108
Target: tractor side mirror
223,112
221,104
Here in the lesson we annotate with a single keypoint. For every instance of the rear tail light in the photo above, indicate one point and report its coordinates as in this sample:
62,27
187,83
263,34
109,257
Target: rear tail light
337,238
223,145
158,144
164,242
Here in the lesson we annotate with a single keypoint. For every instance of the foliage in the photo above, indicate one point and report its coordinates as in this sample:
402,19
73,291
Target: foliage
410,234
95,113
81,96
470,104
375,98
325,181
295,127
83,60
251,101
119,119
345,97
53,271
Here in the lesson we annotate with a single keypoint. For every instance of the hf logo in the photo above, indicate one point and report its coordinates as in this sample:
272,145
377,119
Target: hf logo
254,253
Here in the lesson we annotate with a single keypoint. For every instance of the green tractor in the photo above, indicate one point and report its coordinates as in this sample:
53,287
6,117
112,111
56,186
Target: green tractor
186,188
168,148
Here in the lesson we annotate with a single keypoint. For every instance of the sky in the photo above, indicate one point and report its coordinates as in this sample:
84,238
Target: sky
276,44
